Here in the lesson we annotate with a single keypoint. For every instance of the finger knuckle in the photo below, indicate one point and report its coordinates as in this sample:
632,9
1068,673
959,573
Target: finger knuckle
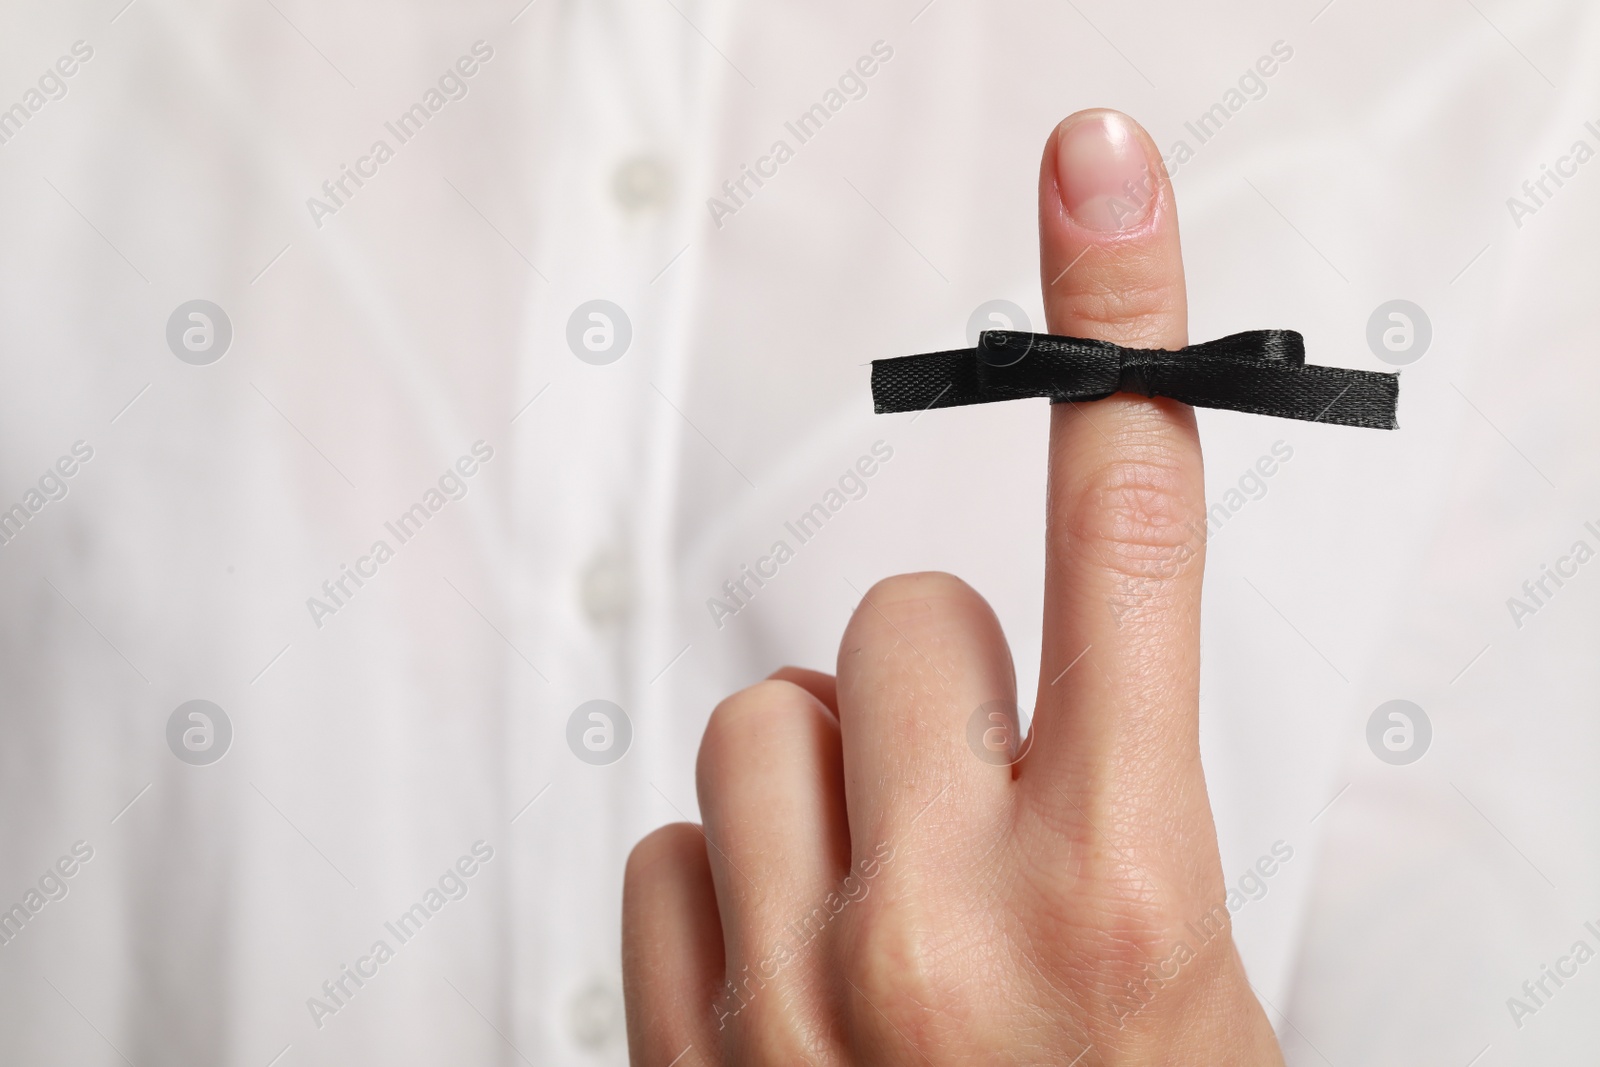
1141,960
1139,309
914,591
750,722
1138,514
902,975
1125,937
923,601
660,853
776,1031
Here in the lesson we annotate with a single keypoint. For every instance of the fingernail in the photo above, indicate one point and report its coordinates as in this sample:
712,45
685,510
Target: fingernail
1104,176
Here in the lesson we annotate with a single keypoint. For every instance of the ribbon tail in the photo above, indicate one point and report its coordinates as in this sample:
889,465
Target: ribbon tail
935,380
1332,395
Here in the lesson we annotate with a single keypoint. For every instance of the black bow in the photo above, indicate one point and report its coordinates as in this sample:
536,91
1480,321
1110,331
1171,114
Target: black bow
1262,371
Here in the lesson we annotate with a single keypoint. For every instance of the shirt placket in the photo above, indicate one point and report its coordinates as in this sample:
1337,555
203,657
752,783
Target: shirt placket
611,219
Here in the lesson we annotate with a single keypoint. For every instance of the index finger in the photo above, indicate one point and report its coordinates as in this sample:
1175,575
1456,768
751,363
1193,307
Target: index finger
1115,723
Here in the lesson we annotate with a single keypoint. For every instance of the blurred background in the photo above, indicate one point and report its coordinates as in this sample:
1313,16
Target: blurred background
381,386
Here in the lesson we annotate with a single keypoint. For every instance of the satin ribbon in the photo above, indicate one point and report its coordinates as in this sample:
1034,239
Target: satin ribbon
1263,372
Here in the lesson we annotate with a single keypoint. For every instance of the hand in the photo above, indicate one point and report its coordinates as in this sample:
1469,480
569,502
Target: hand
867,889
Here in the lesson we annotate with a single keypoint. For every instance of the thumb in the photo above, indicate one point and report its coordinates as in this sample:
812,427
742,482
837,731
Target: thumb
1126,510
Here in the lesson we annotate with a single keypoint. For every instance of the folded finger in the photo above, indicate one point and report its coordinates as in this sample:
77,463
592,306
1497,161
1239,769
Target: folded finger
922,661
772,794
820,685
671,949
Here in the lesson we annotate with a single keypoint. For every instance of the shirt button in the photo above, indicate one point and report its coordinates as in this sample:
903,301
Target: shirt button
596,1016
642,183
606,588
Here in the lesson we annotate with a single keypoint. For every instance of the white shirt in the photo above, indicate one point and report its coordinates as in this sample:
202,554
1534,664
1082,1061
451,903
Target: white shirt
382,731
